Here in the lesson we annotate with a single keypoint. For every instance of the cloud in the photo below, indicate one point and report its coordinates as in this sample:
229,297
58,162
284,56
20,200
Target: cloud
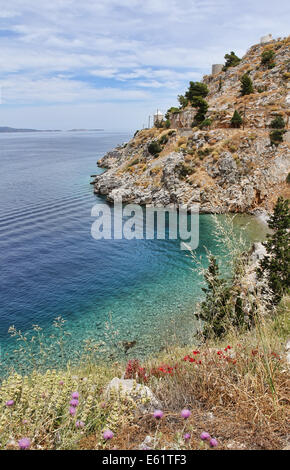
67,51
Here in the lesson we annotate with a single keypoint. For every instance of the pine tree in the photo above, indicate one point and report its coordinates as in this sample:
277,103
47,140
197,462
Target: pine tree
247,85
276,264
231,60
236,120
202,107
214,308
196,89
278,122
267,58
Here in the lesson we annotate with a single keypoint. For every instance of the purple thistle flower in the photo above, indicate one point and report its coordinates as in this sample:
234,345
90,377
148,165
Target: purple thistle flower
80,424
158,414
185,414
187,436
75,395
10,403
108,434
74,403
205,436
72,411
213,442
24,443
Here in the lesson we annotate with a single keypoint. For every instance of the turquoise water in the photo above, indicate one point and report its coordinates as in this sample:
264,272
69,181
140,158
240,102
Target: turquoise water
51,266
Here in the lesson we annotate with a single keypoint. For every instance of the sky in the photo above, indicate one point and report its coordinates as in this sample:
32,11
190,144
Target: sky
111,63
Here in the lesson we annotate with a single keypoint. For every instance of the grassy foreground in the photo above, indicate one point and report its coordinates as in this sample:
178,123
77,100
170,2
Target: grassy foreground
236,391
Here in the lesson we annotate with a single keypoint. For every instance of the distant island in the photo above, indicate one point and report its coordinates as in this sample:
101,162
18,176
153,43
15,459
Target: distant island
13,129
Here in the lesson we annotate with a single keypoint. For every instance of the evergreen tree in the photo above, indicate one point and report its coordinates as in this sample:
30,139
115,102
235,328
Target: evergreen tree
267,58
247,85
183,101
231,60
213,310
276,136
196,89
278,122
236,120
276,264
202,107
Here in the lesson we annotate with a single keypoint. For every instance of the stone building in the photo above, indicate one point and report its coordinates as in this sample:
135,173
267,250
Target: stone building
265,39
216,68
158,117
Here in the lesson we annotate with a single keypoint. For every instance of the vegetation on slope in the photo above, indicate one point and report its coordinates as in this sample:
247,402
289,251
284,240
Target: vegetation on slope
231,384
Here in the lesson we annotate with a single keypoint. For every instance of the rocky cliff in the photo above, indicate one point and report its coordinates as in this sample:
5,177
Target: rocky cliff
223,169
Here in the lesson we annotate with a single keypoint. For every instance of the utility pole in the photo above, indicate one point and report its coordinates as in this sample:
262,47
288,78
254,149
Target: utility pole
149,122
244,117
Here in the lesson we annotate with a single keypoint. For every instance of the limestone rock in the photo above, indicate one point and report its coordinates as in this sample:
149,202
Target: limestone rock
141,394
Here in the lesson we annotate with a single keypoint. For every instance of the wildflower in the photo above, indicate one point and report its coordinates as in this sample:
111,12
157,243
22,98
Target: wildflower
61,382
24,421
72,411
10,403
185,414
213,442
80,424
158,414
74,403
205,436
108,434
195,352
75,395
187,436
24,443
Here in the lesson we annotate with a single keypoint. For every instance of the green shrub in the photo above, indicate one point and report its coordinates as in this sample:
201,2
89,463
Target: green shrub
206,123
167,124
247,85
172,110
222,306
276,264
196,89
154,148
202,107
288,179
267,58
276,136
236,120
183,101
278,122
184,170
231,60
163,140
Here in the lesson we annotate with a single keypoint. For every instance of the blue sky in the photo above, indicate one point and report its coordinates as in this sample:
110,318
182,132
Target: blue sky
111,63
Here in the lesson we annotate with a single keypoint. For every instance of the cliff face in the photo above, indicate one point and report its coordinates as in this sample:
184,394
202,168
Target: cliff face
223,169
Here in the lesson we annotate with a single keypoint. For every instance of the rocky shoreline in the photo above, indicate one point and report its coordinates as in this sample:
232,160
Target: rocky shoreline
234,172
221,168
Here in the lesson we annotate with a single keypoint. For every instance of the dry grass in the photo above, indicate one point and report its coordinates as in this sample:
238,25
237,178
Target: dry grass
240,396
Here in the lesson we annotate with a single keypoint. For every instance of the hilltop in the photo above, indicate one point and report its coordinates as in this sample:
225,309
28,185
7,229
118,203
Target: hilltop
221,167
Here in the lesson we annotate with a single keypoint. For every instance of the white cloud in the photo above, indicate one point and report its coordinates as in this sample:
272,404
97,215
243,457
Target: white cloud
67,51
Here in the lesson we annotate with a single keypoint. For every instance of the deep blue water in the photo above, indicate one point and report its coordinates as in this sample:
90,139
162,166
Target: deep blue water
51,266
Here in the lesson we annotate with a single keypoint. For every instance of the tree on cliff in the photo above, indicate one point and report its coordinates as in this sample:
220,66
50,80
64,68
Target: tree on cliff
196,89
231,60
247,85
276,264
202,107
236,120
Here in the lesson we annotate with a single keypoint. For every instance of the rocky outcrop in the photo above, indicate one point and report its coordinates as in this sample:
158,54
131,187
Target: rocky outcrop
222,169
141,395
